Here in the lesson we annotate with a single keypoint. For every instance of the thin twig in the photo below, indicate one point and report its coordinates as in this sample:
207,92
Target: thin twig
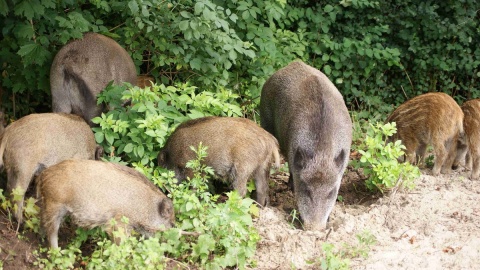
411,84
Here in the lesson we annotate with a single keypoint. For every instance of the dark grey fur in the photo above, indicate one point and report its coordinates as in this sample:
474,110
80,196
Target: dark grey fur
306,113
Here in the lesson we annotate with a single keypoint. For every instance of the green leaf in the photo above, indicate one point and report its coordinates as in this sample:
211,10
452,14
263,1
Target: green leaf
3,7
140,150
327,69
328,8
133,5
183,25
128,148
29,8
196,63
99,137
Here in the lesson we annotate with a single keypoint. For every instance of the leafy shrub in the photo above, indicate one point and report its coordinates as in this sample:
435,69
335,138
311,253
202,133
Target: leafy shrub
379,160
333,260
374,51
30,209
137,131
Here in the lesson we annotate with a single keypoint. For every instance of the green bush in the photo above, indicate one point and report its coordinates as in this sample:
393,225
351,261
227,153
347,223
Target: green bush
379,160
375,52
136,132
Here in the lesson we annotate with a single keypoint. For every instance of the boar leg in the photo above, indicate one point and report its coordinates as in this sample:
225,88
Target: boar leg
118,230
240,182
52,215
261,185
468,160
421,153
18,180
411,150
451,147
474,160
440,156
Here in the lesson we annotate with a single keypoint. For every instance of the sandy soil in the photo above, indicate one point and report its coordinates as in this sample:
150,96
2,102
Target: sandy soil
434,226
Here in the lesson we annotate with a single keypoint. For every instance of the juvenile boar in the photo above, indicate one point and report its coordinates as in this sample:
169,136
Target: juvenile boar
238,149
37,141
82,69
145,81
469,147
306,113
94,192
432,118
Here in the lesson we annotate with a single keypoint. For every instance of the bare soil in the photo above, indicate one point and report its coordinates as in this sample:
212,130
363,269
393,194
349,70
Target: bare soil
434,226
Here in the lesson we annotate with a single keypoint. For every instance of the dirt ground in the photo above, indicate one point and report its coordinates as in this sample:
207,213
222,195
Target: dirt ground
434,226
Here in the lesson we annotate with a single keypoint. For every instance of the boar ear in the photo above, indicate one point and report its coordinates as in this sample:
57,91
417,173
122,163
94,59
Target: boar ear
165,208
302,157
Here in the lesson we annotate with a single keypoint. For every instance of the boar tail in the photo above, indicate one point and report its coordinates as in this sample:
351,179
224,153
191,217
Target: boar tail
276,157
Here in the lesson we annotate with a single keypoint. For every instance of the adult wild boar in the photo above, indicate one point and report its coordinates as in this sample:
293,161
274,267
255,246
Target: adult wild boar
238,149
37,141
94,192
469,146
432,118
306,113
82,69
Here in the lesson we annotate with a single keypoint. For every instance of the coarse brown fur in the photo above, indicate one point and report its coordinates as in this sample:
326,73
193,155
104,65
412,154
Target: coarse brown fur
432,118
145,81
38,141
238,149
94,192
82,69
469,148
302,108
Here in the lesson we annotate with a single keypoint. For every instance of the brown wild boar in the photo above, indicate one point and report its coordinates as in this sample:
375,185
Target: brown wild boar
432,118
238,149
37,141
145,81
82,69
302,108
469,147
94,192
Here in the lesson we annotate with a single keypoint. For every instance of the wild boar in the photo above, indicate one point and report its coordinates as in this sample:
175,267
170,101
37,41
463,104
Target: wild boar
469,147
82,69
94,192
37,141
238,149
145,81
431,118
302,108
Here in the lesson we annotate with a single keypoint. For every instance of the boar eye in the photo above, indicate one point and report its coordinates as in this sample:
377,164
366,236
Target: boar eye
332,194
340,158
302,158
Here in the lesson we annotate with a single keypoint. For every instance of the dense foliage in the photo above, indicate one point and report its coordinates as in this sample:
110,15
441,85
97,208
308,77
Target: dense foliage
376,52
379,160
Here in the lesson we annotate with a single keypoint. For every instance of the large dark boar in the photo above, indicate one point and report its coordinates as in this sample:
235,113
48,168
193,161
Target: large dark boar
37,141
94,192
469,147
432,118
237,150
306,113
82,69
